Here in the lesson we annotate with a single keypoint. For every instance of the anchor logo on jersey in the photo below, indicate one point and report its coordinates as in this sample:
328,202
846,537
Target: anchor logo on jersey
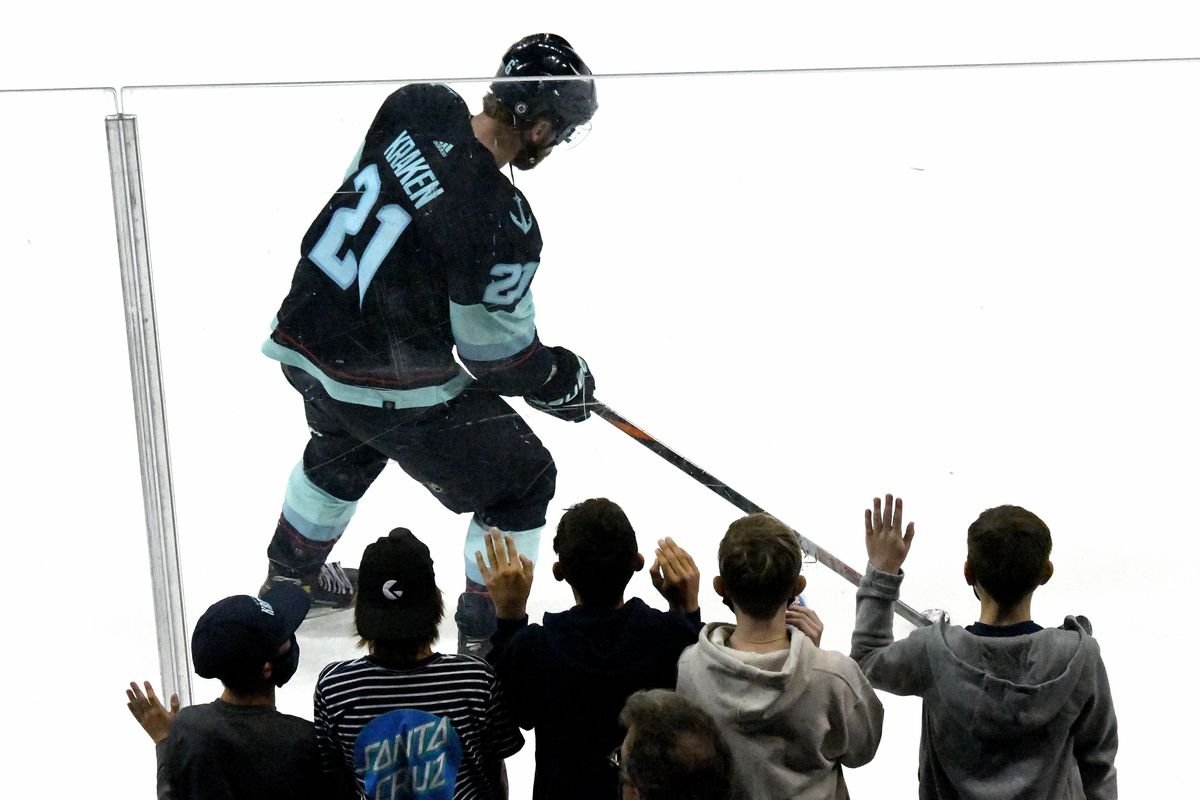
523,222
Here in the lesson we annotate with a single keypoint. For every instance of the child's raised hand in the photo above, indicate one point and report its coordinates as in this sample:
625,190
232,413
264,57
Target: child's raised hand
507,574
886,547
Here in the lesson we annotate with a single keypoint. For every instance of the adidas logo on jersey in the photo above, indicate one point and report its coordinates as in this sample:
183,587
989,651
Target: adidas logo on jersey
443,147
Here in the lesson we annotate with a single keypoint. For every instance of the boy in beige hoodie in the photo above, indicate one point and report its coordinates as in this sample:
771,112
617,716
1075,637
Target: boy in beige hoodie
792,713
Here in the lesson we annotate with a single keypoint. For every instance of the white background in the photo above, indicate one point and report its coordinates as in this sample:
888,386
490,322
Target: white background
969,287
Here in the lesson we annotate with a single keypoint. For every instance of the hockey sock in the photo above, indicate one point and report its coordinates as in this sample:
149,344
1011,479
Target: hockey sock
313,512
527,543
294,554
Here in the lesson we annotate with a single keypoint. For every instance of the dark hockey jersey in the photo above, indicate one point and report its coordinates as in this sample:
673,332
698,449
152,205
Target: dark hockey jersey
426,248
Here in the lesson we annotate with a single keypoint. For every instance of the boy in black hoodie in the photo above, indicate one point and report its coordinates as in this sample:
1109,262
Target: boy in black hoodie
568,678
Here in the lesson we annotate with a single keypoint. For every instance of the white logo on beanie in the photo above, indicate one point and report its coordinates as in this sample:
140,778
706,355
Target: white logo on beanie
265,606
388,594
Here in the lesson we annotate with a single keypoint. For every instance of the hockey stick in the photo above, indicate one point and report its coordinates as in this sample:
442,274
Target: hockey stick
745,504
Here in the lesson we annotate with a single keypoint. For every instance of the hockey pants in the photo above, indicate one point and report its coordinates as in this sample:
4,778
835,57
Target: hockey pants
473,453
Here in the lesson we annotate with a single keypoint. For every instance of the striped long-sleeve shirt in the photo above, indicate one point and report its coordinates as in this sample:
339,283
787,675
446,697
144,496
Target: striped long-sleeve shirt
436,730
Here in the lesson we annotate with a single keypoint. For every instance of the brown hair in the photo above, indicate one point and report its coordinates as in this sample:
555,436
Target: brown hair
759,559
497,110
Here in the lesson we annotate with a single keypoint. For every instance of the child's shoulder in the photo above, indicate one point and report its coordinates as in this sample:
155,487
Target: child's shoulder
840,668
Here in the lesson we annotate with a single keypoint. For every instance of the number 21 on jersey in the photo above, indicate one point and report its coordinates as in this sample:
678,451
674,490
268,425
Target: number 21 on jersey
393,219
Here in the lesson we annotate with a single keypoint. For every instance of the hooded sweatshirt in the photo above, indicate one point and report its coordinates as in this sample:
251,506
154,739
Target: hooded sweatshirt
791,718
1027,716
569,677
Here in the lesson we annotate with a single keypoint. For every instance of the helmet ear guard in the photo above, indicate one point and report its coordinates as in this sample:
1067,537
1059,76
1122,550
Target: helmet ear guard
565,100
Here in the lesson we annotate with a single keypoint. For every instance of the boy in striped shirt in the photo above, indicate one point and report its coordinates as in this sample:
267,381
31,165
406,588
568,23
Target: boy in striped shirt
406,721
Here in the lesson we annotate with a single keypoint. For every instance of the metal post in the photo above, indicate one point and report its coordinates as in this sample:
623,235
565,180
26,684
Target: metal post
149,406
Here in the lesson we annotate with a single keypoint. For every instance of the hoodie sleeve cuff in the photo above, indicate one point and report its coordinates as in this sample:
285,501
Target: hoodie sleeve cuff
507,627
879,584
162,770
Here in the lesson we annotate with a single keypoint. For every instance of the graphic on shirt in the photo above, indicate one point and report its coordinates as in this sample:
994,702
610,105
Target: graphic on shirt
407,754
345,269
523,222
509,282
412,170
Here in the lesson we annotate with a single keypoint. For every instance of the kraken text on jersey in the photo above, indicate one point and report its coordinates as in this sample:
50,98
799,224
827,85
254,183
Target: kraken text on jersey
411,169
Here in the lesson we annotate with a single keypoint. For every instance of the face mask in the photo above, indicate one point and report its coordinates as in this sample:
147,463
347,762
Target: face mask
283,667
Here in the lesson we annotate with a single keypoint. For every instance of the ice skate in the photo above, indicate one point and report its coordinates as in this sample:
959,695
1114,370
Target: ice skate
332,587
476,620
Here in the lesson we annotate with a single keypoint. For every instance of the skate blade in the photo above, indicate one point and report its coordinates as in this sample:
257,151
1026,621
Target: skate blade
316,612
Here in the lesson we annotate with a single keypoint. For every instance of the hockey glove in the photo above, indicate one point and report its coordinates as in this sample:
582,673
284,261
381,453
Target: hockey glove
569,391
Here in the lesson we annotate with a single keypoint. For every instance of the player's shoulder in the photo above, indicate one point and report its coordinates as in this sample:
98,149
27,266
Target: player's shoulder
493,205
425,112
431,100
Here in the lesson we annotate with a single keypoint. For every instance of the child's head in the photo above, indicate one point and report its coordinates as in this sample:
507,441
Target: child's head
249,643
1008,554
759,561
672,748
399,606
597,551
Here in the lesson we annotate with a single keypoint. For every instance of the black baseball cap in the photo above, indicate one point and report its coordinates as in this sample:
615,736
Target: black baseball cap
397,593
239,634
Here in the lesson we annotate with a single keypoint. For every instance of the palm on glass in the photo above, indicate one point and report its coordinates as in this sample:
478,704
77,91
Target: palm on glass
676,577
886,546
507,574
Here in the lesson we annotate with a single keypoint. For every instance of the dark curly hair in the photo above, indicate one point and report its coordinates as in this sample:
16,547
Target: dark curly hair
597,550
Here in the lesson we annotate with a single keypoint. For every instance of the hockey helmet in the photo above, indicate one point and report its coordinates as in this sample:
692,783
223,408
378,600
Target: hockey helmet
568,104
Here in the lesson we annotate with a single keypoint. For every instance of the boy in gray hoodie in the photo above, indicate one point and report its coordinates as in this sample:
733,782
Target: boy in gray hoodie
1010,709
792,713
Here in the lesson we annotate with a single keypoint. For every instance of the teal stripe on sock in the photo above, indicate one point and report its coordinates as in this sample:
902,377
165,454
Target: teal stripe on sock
314,512
527,543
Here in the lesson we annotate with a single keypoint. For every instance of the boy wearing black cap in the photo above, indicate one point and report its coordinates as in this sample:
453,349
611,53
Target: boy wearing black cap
404,720
239,745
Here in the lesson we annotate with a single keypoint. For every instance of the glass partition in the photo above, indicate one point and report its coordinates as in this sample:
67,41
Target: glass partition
968,287
80,622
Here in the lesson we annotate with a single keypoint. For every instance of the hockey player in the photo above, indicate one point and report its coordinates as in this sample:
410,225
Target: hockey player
426,249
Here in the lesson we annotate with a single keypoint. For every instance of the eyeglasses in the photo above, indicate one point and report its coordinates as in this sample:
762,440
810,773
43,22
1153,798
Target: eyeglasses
614,758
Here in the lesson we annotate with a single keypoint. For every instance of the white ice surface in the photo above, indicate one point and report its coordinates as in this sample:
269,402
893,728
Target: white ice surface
967,287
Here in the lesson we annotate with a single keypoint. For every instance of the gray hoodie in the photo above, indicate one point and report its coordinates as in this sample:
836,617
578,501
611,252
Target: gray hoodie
791,718
1026,716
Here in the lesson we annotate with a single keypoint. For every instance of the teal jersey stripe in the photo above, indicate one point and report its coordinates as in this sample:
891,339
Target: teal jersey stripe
483,335
422,397
314,512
